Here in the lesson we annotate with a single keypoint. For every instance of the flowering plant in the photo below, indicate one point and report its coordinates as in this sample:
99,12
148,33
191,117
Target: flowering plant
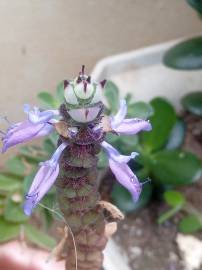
81,126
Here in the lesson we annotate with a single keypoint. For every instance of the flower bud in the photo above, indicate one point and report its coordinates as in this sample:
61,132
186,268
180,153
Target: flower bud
84,90
70,96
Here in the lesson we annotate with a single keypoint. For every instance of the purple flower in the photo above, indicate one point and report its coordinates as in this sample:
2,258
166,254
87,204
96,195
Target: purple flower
128,126
122,172
38,124
43,180
36,116
23,132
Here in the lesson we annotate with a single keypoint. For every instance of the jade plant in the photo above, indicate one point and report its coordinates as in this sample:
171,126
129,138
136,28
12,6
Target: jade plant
186,55
82,127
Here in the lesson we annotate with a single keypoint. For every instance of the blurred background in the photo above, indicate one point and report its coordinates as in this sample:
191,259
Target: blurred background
43,42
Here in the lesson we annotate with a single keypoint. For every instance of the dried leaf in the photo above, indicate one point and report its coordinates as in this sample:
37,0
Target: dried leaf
110,229
62,129
112,209
57,252
105,124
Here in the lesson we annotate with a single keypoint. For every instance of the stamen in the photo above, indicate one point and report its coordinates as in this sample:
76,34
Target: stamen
5,119
146,181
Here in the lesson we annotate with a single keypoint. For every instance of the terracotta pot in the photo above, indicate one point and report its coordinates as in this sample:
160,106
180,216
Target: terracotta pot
14,256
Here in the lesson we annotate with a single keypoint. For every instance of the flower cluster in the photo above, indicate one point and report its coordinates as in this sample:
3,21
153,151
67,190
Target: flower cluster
41,123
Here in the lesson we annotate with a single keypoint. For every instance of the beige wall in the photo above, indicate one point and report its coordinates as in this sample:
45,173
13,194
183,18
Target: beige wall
44,41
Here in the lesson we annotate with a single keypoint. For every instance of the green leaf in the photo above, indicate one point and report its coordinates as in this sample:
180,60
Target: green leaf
140,110
174,198
112,95
54,138
193,103
196,4
177,135
126,144
8,183
39,238
28,181
48,146
13,212
8,231
190,224
47,100
60,92
15,165
168,214
128,98
186,55
102,160
162,121
123,199
30,155
175,167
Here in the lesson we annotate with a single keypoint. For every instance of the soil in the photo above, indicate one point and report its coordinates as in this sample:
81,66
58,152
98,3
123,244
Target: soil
147,244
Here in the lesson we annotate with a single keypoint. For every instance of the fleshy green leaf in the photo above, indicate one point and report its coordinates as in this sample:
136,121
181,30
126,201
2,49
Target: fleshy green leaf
140,110
177,134
39,238
193,103
190,224
8,183
28,181
123,199
30,155
162,121
47,100
112,95
175,167
48,146
186,55
8,231
15,165
196,4
60,92
174,198
13,212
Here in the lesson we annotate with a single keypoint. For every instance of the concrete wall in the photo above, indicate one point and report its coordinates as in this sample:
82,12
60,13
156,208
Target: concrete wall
45,41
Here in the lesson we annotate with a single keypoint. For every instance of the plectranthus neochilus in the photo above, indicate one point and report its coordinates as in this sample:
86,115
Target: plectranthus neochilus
82,127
